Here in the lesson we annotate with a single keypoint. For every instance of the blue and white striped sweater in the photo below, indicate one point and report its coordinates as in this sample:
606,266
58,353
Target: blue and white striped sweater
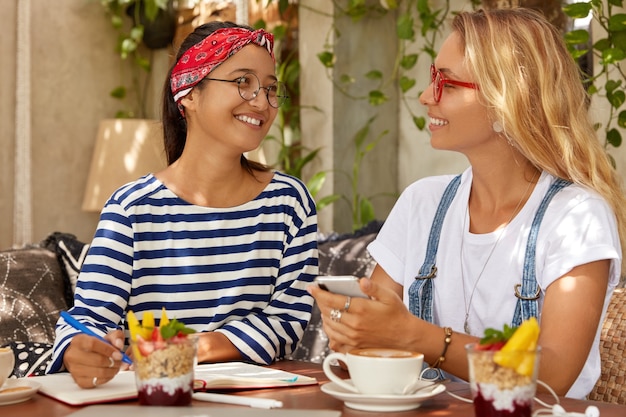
241,271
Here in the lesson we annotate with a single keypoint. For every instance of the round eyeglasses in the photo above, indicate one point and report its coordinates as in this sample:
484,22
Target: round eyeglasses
249,87
439,81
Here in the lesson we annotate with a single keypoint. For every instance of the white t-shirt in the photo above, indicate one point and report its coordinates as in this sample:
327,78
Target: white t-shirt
578,227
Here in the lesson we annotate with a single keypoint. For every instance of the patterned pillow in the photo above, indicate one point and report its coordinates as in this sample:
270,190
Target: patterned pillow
71,253
32,293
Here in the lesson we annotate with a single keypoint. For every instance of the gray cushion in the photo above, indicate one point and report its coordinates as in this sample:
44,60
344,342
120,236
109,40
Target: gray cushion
338,255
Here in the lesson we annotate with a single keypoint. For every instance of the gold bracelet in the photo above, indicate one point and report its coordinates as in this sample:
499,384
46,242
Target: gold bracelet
446,342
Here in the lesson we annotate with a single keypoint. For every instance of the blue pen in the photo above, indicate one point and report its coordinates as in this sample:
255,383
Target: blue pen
80,326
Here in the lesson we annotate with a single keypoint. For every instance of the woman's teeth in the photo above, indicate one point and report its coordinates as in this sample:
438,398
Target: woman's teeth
250,120
438,122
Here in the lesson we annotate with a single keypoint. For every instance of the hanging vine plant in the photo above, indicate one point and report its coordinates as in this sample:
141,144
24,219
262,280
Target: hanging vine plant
609,82
293,157
420,18
413,19
419,27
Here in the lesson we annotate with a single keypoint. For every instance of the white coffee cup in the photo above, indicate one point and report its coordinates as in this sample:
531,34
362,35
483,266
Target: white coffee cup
7,362
377,371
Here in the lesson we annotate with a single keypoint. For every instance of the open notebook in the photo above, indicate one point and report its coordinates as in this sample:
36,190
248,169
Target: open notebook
228,375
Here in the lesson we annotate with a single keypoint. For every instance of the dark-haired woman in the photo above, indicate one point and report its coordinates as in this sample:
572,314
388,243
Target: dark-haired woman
225,244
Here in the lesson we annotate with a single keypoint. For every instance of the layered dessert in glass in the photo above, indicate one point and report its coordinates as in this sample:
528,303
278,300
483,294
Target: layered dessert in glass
503,371
500,391
164,362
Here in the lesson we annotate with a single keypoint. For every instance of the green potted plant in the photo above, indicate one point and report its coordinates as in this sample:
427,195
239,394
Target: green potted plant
142,26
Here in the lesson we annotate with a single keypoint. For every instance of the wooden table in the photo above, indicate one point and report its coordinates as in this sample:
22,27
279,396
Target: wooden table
311,397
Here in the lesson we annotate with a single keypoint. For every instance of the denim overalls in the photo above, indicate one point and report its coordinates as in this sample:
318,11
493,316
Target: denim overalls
527,293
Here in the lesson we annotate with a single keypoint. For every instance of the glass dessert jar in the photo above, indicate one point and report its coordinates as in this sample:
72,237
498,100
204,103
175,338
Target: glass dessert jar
503,384
164,370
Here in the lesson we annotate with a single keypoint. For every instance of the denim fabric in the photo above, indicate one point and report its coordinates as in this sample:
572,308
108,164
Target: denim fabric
527,305
421,290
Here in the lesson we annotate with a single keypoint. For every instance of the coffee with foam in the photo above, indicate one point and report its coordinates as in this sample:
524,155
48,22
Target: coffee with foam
377,371
384,353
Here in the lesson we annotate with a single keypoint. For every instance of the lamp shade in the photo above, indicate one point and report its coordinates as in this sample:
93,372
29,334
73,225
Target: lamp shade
126,149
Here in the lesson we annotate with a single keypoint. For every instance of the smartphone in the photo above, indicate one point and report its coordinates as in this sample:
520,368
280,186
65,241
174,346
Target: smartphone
341,284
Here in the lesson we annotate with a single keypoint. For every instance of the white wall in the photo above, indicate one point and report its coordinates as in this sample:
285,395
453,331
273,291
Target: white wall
67,49
70,67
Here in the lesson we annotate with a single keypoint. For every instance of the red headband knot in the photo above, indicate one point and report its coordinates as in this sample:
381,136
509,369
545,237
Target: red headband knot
202,58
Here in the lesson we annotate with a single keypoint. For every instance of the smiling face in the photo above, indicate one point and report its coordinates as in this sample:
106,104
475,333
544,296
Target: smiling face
216,114
458,122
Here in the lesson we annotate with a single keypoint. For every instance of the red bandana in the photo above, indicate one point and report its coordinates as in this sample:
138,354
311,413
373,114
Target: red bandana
202,58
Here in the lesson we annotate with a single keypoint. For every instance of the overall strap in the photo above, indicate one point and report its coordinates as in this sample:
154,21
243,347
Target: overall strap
528,291
421,290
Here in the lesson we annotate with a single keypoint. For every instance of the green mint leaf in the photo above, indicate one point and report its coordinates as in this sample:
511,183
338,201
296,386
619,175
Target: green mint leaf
172,328
494,335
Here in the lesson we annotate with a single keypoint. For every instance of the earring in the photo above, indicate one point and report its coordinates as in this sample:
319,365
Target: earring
497,127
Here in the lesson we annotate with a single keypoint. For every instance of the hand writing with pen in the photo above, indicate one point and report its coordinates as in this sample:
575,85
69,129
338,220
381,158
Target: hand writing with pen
93,359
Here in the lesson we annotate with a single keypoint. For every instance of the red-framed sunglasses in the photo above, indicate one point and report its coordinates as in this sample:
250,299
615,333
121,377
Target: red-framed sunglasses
439,80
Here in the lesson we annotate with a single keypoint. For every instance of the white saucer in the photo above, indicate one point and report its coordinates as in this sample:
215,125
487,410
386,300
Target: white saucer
10,396
380,402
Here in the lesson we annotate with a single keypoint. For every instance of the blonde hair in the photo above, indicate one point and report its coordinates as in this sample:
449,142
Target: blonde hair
533,87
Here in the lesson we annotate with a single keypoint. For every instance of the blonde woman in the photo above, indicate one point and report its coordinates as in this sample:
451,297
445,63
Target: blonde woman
534,227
